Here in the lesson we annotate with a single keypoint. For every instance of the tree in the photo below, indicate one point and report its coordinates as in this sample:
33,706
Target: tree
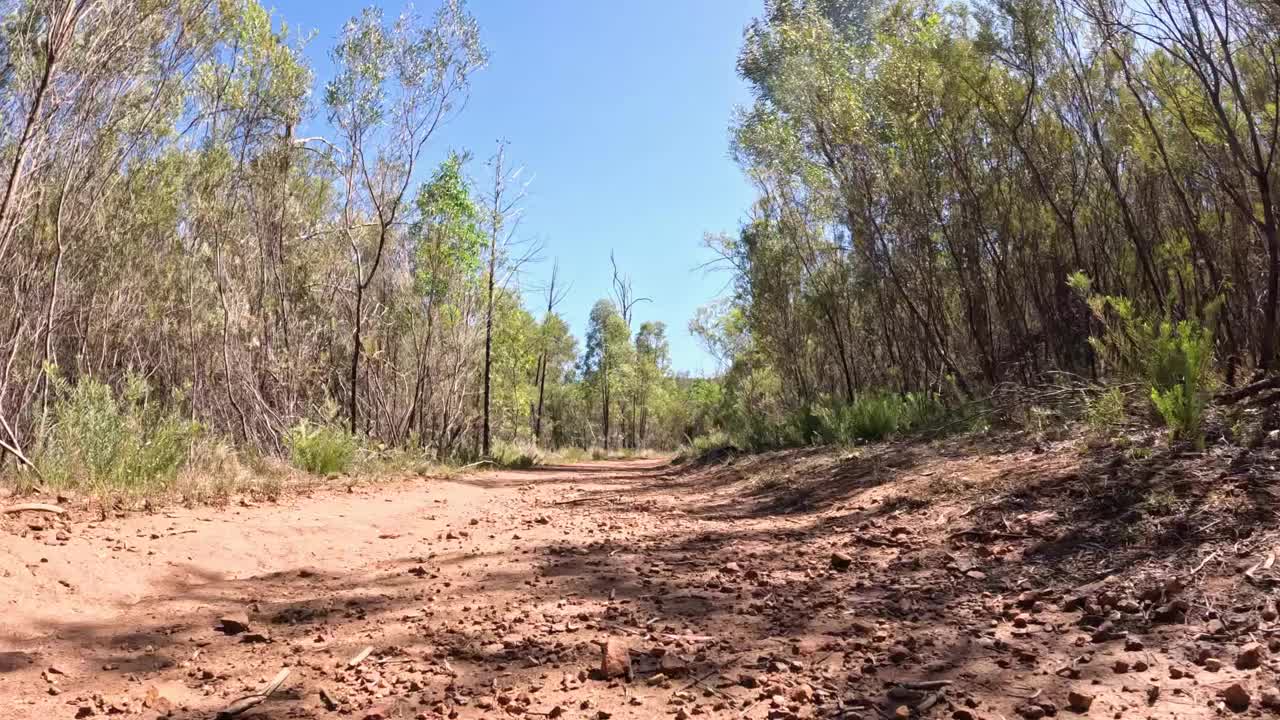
394,85
605,356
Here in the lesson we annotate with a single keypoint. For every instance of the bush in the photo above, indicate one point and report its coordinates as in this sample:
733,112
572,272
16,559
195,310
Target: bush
1174,359
110,445
515,457
1180,393
321,449
1106,411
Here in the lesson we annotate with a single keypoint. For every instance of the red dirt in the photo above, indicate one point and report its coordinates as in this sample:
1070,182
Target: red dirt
490,595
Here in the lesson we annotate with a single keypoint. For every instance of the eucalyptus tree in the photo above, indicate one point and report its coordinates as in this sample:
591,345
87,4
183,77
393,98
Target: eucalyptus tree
604,359
395,83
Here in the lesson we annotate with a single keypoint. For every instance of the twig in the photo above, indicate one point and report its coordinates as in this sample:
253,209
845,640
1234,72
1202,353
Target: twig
360,656
589,498
250,701
34,507
1205,561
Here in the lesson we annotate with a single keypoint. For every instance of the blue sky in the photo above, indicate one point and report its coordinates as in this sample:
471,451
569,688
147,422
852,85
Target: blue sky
619,110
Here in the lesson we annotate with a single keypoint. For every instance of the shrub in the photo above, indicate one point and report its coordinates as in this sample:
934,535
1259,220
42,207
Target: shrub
110,445
514,456
321,449
1174,359
1106,410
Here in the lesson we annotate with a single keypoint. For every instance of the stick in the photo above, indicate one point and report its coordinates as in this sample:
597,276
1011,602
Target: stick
1204,562
250,701
360,656
34,507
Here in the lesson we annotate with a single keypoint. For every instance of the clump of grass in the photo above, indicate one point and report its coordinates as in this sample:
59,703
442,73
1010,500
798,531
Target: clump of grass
567,455
112,445
515,456
1106,411
875,416
216,472
321,449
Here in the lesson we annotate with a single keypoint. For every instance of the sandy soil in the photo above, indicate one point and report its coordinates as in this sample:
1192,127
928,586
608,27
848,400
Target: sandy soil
804,584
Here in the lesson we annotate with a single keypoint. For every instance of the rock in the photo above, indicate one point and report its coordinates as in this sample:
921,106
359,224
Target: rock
615,659
898,653
672,666
1079,702
1176,673
234,623
731,568
1250,656
902,712
1134,645
1031,711
1120,667
1271,698
841,561
1105,632
1212,664
1236,697
1171,612
963,714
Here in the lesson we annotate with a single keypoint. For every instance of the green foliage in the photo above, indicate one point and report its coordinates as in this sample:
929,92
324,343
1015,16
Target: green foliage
876,416
515,456
871,417
447,236
321,449
1173,358
1182,365
110,445
1106,410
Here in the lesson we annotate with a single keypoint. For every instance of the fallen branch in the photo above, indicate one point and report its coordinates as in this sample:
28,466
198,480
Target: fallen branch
360,656
251,701
1205,561
34,507
1229,397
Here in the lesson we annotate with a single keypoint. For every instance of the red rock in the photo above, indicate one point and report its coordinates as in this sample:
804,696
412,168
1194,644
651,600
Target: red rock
615,659
1236,697
1079,702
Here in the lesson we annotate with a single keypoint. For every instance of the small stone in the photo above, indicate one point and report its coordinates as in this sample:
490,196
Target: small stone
615,659
841,561
1079,702
1250,656
963,714
1212,664
1134,645
902,712
234,623
672,665
1271,698
731,568
898,653
1120,667
1236,697
1031,711
1176,673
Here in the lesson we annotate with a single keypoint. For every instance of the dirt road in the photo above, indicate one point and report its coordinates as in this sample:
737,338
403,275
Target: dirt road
490,595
